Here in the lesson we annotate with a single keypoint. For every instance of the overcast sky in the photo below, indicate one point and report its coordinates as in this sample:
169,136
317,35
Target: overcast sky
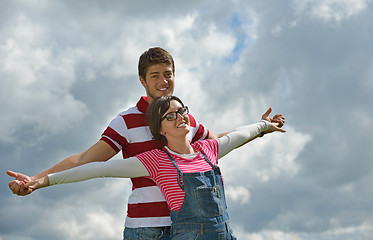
68,67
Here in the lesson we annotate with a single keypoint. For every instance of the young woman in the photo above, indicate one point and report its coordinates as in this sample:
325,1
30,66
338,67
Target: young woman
186,173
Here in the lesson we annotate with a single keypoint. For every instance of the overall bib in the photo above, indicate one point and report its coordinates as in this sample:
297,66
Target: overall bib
203,214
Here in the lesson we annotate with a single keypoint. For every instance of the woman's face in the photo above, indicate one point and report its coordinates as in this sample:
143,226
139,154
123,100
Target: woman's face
178,127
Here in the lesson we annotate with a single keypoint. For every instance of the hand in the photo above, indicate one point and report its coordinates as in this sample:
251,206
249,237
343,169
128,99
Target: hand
274,128
278,118
38,183
276,121
18,185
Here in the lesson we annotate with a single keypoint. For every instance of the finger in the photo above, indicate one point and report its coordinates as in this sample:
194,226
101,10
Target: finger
12,174
23,191
279,116
30,184
16,187
26,191
11,185
266,114
280,129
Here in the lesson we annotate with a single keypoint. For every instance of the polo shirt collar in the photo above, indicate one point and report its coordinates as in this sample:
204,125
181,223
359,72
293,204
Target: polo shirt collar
143,104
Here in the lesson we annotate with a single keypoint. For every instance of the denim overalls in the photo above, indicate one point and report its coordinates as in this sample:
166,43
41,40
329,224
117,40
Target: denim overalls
203,214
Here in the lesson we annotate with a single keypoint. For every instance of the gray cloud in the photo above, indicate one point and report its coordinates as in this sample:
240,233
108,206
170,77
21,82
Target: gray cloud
67,68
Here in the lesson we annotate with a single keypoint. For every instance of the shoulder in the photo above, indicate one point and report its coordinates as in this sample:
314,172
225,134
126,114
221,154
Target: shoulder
193,122
129,117
210,144
154,154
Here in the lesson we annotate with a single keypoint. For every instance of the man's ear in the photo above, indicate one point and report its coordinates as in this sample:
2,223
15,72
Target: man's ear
143,82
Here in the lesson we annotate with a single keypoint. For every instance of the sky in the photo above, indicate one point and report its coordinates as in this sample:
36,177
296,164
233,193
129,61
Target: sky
67,68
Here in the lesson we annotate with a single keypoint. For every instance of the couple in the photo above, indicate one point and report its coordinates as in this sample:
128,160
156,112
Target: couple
187,173
147,216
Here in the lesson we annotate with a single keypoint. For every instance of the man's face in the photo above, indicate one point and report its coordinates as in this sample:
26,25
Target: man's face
159,81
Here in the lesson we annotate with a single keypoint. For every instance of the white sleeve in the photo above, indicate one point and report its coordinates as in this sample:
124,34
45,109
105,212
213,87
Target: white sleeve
118,168
240,136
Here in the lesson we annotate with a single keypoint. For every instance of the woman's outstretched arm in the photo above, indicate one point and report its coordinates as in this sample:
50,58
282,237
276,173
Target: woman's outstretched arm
242,135
117,168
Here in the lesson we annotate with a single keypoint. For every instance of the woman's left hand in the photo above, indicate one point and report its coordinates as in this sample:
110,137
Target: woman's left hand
276,121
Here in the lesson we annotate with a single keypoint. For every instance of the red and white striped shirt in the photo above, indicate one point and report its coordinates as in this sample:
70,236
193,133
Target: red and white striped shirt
129,132
164,173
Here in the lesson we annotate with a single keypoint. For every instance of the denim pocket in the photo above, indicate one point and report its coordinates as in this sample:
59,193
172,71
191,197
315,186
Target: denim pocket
209,200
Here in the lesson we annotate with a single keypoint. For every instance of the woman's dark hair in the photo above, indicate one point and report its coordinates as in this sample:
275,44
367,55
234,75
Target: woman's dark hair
155,112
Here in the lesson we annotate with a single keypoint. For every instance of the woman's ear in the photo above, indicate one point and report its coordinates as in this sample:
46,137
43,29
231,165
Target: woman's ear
160,131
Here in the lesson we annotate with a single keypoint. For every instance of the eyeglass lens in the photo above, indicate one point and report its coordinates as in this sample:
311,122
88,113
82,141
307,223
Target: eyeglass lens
173,115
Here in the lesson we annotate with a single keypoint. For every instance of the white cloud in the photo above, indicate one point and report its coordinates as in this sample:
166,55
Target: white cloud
239,194
265,235
67,65
35,85
331,10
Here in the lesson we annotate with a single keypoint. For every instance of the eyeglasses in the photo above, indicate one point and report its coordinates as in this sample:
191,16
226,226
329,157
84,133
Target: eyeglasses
172,116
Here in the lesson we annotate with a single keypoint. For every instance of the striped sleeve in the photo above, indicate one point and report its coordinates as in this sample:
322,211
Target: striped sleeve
199,132
115,134
150,160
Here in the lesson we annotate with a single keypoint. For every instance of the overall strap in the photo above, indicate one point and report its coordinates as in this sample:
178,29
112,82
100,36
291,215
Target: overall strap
208,160
179,172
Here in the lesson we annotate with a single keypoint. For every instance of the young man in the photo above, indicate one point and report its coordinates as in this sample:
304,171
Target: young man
148,213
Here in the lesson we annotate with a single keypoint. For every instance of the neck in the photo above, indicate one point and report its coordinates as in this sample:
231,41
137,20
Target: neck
181,146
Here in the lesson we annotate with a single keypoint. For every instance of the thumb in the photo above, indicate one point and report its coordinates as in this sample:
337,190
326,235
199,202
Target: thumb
266,114
280,129
12,174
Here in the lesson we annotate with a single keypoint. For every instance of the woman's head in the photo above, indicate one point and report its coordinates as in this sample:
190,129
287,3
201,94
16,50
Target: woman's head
166,108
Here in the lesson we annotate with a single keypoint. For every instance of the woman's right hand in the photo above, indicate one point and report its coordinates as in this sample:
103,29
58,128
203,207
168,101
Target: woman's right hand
38,183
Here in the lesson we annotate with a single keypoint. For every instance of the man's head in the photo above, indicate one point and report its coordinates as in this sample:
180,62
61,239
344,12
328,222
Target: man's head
157,72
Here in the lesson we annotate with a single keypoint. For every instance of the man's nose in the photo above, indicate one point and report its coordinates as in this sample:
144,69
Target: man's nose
163,79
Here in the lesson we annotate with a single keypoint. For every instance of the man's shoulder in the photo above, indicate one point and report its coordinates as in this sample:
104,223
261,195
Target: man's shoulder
131,110
131,117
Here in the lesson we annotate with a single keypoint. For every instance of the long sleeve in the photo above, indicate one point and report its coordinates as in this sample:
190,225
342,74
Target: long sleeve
239,136
118,168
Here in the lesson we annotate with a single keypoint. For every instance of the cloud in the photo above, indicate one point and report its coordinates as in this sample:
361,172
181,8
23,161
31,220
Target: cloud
35,85
67,69
331,10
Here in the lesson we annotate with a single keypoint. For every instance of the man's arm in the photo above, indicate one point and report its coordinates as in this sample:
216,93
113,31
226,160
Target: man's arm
216,136
101,151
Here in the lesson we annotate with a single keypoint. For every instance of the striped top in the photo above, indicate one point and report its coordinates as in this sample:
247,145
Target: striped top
129,132
164,173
